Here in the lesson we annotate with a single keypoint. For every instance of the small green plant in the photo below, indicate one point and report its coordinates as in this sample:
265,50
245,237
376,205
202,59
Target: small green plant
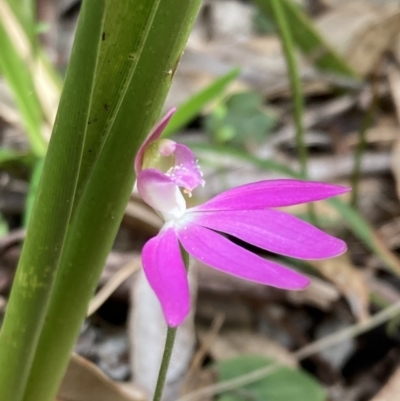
240,120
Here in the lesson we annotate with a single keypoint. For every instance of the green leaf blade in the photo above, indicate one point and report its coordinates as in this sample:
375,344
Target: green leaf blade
309,40
282,384
102,202
189,109
51,213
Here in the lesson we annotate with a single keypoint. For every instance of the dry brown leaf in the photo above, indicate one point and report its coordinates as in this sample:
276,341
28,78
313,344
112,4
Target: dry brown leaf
232,343
388,4
394,82
391,390
203,378
319,294
84,381
215,287
197,377
112,284
350,281
395,159
3,303
365,32
260,59
231,20
46,89
390,233
141,217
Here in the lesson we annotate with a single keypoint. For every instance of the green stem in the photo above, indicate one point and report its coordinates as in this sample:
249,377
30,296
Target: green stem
366,124
295,84
166,358
169,344
362,143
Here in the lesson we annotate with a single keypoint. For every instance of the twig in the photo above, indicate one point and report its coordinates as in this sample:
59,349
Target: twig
205,345
112,284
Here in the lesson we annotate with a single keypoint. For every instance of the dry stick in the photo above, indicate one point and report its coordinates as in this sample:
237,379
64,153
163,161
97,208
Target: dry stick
302,353
205,345
112,284
207,341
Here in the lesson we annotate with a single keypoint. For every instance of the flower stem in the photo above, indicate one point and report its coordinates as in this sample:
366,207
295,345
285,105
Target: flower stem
169,345
295,84
362,144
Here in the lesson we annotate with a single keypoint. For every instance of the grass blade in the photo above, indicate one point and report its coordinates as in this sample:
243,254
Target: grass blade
309,40
189,109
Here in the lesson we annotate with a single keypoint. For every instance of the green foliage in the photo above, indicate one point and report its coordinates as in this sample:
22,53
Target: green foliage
263,23
282,384
193,106
3,226
21,60
10,159
51,213
241,119
25,12
16,72
33,190
33,82
157,30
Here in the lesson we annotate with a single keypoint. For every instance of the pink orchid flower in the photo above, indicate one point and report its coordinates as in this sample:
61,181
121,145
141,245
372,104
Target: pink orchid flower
245,212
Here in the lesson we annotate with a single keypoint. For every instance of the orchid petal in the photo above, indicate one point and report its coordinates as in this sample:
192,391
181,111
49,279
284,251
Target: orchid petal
272,193
166,273
274,231
154,134
161,193
218,252
186,172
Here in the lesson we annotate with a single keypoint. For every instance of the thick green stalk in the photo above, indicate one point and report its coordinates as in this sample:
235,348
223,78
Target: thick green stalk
102,203
51,213
166,358
118,61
